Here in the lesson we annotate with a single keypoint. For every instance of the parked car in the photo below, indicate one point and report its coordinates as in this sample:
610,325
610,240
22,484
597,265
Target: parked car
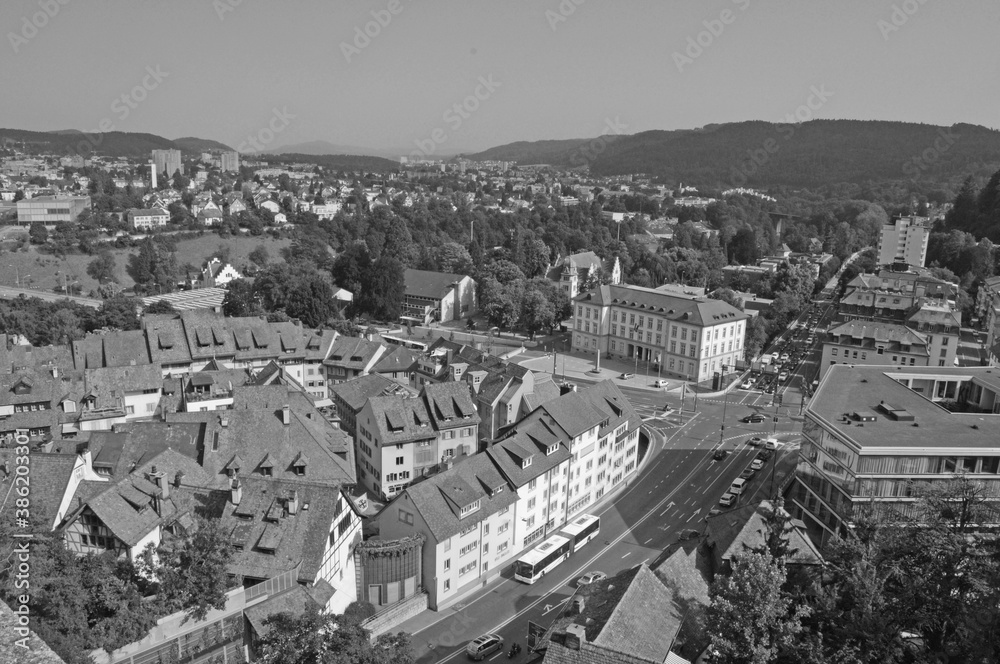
783,376
747,474
484,646
747,384
753,418
757,464
764,455
661,382
738,485
689,534
627,375
727,499
590,577
784,357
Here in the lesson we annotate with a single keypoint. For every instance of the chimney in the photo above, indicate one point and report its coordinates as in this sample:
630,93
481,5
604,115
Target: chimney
286,415
236,492
578,604
55,372
575,636
223,421
293,503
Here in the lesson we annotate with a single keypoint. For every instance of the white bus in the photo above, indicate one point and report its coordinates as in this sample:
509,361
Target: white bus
535,563
581,530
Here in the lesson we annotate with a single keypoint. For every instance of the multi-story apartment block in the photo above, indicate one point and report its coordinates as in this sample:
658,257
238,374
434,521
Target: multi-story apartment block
562,458
691,337
144,220
988,309
230,161
351,357
859,342
167,162
891,296
400,439
904,240
871,434
941,324
351,396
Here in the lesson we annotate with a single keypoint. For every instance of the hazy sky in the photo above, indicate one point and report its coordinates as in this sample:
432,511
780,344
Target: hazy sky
557,69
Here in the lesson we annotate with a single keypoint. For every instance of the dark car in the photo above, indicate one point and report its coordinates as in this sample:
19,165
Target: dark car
753,418
720,454
748,473
764,455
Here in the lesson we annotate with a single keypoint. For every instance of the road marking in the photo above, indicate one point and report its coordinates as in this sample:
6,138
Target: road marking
627,553
671,504
691,517
549,607
648,541
644,561
580,570
499,652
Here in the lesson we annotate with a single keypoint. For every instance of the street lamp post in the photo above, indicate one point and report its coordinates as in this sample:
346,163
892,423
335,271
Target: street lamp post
725,402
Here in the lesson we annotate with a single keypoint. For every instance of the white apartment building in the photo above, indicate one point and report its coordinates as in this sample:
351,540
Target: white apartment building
687,336
904,240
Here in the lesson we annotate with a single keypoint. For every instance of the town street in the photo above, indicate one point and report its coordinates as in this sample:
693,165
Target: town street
677,486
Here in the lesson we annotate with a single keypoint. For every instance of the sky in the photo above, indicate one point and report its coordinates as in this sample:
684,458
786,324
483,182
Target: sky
448,76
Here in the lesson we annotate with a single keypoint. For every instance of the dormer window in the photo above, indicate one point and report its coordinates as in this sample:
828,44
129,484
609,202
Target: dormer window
525,462
551,449
497,490
470,508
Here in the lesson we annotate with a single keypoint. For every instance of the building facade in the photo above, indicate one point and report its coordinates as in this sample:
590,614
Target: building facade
689,337
872,434
230,161
144,220
51,209
438,296
904,240
858,342
167,162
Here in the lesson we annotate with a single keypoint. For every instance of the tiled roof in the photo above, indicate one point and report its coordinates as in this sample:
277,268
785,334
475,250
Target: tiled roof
628,618
295,538
439,499
133,444
111,349
357,391
399,358
577,412
50,476
736,531
399,419
533,439
14,356
450,404
353,353
33,650
680,308
296,600
432,285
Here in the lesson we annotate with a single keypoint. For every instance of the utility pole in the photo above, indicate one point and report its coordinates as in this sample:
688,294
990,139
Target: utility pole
725,403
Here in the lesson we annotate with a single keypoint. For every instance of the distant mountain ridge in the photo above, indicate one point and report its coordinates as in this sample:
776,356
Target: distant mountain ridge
766,154
319,148
113,143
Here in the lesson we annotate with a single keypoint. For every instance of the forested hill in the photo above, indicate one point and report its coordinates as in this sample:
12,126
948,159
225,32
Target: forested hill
113,143
809,154
338,162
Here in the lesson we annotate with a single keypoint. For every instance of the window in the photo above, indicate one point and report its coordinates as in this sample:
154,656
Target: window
447,585
503,527
447,564
399,461
834,352
469,509
468,548
532,484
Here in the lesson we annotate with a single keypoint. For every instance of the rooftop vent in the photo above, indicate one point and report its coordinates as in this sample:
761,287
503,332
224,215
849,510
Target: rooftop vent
864,417
897,414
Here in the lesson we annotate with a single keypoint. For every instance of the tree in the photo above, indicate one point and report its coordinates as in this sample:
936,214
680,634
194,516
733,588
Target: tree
728,296
118,313
260,256
382,290
453,258
159,307
192,571
751,619
38,233
241,299
322,638
536,312
103,268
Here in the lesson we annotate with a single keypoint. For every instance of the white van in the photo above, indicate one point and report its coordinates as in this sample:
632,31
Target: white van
737,486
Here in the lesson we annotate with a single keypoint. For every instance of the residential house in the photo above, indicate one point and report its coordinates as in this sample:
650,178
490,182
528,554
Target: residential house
583,271
351,396
859,342
351,357
399,363
217,274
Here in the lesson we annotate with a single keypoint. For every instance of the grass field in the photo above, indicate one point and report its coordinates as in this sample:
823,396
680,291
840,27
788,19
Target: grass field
46,272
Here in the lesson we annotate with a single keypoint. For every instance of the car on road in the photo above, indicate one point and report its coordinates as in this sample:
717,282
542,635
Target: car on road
589,578
727,499
738,485
755,441
784,357
783,376
689,534
772,444
747,474
757,464
662,382
747,384
627,375
764,455
484,646
753,418
720,454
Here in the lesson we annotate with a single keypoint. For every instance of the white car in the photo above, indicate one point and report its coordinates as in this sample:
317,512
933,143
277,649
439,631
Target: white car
591,577
772,444
662,382
727,499
747,384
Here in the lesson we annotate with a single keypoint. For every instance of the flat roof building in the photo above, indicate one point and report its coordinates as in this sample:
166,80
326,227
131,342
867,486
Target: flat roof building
873,434
51,209
904,240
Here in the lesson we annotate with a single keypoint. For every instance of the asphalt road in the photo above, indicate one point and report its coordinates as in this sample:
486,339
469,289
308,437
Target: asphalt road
10,293
676,488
